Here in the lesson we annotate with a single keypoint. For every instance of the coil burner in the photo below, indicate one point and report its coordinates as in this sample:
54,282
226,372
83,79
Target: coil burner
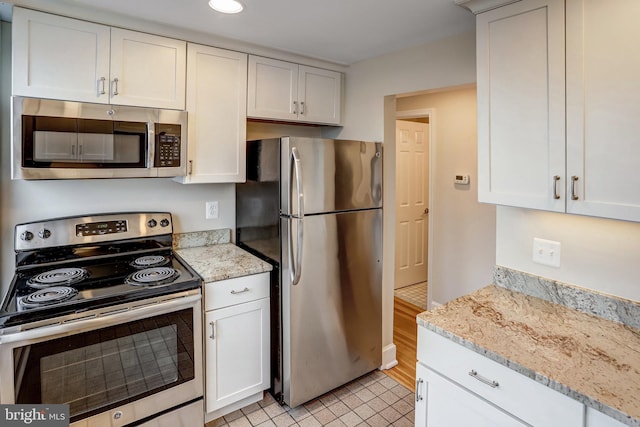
60,276
150,261
47,296
155,276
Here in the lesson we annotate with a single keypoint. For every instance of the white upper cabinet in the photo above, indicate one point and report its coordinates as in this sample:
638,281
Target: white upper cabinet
62,58
555,143
279,90
603,93
147,70
59,58
217,108
520,65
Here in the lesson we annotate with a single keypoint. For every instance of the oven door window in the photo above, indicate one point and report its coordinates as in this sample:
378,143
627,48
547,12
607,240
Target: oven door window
100,370
55,142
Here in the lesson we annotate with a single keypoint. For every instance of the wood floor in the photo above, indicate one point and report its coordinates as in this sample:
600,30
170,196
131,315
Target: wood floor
405,331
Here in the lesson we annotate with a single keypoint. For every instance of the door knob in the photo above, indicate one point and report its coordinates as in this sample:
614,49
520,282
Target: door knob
426,211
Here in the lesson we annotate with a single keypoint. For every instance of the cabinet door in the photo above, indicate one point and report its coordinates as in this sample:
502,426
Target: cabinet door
59,58
217,107
319,95
272,89
521,132
602,108
147,70
598,419
237,353
441,403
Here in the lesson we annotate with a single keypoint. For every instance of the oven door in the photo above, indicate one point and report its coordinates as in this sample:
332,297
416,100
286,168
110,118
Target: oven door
111,369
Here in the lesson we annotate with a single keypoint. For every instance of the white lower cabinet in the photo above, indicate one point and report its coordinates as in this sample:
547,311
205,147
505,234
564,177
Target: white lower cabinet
442,403
456,386
598,419
237,343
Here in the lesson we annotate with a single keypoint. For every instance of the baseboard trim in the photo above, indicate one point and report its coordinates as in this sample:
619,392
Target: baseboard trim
388,357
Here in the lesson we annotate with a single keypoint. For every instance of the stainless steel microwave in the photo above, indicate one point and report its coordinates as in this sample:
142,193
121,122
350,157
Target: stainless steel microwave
71,140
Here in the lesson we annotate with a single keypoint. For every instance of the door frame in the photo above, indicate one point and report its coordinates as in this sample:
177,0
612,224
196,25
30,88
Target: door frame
431,114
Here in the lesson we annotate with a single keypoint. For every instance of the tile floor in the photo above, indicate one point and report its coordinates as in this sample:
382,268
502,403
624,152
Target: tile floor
415,294
372,400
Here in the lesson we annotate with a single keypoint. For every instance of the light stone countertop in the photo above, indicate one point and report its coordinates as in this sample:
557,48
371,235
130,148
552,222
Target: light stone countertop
591,359
222,261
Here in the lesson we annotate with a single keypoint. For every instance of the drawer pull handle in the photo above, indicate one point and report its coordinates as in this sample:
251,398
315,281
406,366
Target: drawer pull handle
484,380
419,382
240,292
213,330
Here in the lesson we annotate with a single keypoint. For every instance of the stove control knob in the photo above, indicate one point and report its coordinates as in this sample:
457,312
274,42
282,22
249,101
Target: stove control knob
26,236
44,233
164,222
152,223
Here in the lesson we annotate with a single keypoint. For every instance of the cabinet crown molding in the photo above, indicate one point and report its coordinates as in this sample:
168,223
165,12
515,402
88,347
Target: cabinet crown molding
479,6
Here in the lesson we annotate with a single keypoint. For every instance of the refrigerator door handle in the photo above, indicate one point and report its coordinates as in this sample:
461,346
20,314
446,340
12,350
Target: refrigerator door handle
299,217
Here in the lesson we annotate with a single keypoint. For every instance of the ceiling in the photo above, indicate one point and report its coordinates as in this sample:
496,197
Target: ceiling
339,31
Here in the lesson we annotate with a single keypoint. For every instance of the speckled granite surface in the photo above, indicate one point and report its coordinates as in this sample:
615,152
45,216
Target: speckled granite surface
588,301
591,359
222,261
201,238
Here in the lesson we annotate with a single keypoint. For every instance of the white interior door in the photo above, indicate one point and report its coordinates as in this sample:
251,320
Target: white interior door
412,202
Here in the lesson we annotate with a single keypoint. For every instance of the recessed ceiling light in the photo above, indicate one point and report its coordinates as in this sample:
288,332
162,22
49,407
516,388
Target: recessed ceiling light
226,6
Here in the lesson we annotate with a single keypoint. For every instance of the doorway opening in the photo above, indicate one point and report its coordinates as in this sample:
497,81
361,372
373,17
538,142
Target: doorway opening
412,207
411,229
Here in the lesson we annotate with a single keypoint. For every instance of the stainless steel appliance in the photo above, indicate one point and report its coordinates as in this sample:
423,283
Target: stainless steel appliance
66,140
313,208
102,315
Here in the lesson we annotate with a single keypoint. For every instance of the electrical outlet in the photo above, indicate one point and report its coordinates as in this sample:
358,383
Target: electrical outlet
546,252
212,210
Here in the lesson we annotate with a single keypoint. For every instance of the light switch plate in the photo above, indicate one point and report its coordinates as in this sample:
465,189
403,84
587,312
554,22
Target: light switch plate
546,252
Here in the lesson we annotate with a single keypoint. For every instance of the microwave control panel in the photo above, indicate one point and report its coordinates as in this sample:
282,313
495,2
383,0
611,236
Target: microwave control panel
167,145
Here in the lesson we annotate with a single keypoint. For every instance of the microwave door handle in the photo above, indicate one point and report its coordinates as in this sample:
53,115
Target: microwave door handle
151,145
299,217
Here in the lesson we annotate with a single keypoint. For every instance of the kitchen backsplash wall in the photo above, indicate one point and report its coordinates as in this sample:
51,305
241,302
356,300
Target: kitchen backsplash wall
599,254
23,201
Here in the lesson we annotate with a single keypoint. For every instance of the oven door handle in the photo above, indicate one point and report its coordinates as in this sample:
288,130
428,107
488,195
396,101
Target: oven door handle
104,318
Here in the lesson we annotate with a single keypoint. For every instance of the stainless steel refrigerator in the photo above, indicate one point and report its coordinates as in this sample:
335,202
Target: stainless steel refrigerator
313,208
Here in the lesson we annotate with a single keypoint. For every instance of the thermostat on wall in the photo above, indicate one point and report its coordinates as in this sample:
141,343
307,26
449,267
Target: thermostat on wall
461,179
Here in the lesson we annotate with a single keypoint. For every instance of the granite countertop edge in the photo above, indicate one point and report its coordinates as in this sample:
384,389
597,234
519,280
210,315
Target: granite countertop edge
222,261
532,374
536,298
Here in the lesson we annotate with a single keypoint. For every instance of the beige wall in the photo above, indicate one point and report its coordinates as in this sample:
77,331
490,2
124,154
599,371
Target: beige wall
462,231
599,254
447,62
369,114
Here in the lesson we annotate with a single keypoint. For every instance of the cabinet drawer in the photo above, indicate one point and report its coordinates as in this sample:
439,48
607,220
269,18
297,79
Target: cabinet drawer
523,397
228,292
